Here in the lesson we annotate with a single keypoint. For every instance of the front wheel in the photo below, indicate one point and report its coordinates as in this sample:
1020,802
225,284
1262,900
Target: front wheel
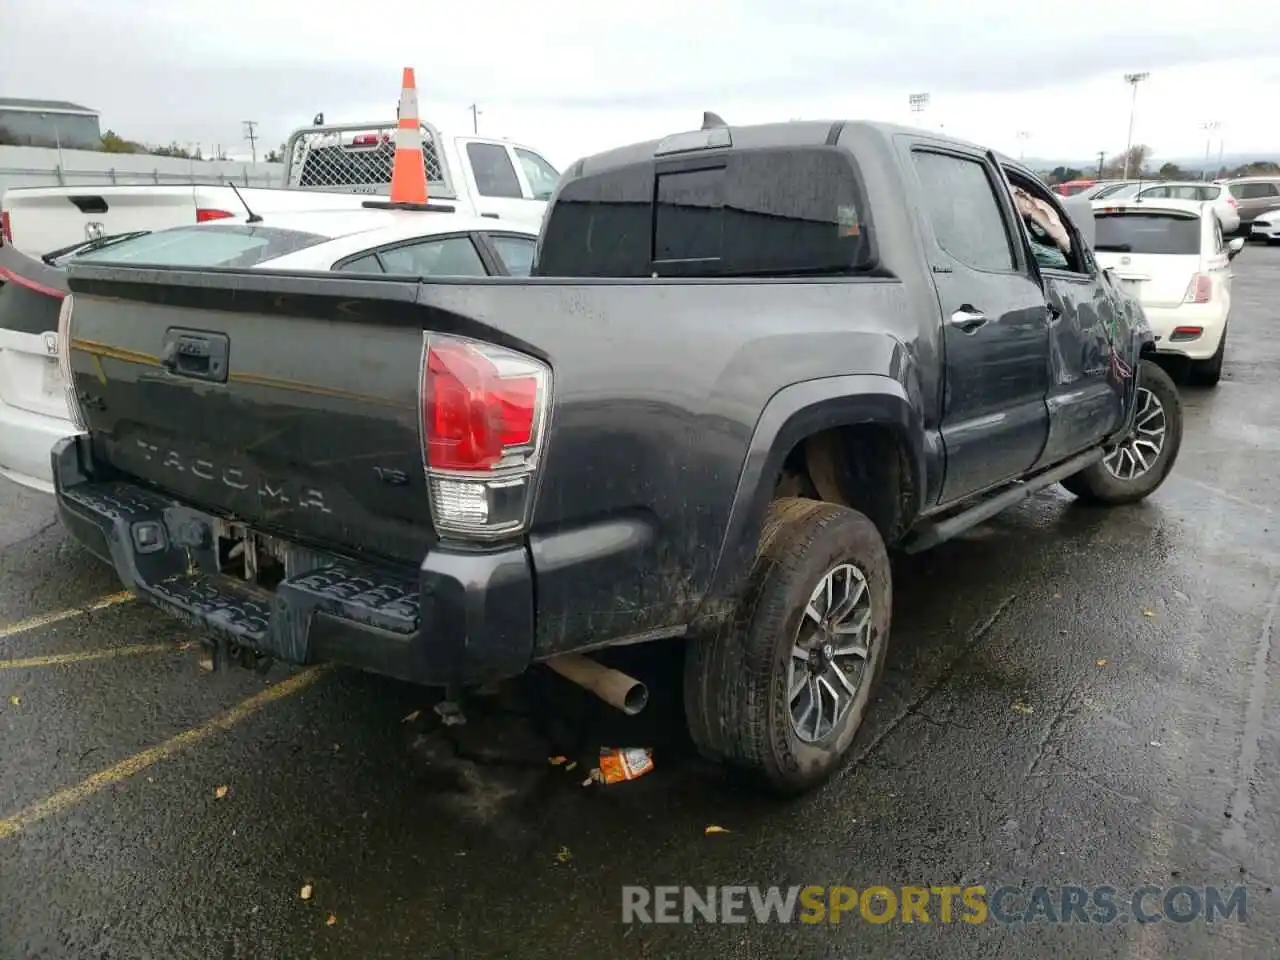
1142,460
780,690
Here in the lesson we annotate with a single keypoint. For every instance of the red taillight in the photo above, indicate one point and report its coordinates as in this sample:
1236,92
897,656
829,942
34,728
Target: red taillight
483,418
205,214
1232,200
369,139
1200,289
6,231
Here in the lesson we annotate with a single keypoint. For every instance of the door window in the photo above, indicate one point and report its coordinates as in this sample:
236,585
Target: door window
516,253
541,175
1253,191
960,201
442,257
495,176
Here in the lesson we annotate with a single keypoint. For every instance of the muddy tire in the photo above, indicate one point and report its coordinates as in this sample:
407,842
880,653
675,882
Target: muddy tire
1207,373
1142,461
745,688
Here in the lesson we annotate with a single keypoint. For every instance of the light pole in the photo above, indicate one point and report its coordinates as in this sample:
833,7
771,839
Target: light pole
1133,79
1209,126
1023,137
918,102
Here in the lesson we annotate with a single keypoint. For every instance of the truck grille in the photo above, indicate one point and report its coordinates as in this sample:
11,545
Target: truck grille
325,159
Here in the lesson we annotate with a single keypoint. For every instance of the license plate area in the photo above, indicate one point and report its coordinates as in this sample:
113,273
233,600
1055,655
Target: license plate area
253,557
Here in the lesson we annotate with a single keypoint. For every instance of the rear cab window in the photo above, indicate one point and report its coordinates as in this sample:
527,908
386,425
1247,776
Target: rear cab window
762,211
208,245
1148,232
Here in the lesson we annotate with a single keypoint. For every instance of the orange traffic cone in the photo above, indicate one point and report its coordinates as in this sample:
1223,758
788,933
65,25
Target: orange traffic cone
408,174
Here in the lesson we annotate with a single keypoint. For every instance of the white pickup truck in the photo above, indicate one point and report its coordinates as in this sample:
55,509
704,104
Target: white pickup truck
326,168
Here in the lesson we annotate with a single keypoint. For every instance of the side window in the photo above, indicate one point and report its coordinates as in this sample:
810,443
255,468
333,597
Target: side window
445,257
495,176
516,253
1155,192
960,200
366,264
1047,250
541,175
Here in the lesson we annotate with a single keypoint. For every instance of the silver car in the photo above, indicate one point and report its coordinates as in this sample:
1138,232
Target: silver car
1254,196
1225,205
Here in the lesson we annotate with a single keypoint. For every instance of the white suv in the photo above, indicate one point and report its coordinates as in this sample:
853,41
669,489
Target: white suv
1171,256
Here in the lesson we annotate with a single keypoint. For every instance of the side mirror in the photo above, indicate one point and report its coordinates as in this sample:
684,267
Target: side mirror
1234,247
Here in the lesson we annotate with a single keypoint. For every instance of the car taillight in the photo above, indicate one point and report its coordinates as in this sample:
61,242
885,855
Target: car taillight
484,414
1232,200
1200,289
64,363
205,214
6,231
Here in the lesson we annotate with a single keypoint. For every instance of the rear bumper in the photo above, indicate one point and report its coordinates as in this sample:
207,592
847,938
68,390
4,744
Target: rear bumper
26,440
1209,317
462,617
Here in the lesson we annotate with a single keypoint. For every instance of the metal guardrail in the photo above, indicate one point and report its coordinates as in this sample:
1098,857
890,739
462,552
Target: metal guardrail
57,176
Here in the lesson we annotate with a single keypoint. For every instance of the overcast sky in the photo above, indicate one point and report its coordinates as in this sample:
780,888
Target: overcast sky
572,78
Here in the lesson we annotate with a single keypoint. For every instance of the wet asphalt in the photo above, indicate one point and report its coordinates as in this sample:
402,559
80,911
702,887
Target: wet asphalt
1073,696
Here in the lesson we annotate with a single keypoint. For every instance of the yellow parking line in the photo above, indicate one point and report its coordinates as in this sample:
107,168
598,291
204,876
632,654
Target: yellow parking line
131,766
22,626
58,659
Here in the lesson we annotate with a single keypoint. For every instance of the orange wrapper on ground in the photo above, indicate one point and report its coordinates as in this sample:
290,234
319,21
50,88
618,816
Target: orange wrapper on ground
627,763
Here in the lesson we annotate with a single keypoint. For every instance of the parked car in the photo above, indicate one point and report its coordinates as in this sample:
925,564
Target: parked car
33,402
1255,196
1224,204
1267,227
1171,256
335,167
450,480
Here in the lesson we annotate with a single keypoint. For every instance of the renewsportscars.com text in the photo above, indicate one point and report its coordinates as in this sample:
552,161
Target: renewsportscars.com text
974,904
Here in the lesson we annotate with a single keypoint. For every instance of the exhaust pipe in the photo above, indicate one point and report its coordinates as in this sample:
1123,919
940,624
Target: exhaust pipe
612,686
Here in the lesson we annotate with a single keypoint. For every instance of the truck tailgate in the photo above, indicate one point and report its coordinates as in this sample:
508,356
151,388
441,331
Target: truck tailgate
290,403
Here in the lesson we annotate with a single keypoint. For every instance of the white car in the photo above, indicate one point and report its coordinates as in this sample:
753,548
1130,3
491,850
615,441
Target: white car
1215,193
424,243
1266,227
1172,257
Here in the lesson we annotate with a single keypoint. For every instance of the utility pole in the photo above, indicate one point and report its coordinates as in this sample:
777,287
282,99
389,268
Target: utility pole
1133,79
1208,127
1023,136
475,118
1102,157
251,134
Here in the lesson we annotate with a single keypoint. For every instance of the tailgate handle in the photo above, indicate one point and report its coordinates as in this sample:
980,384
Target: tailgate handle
196,354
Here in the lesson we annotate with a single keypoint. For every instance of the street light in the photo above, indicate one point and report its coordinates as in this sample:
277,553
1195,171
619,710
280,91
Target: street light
1023,137
1209,126
918,102
1133,79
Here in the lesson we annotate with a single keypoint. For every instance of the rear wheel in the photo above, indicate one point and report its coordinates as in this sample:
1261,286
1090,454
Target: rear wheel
1140,462
1207,373
780,690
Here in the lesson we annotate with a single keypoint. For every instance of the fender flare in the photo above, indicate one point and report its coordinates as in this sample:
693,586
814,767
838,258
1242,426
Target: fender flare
791,415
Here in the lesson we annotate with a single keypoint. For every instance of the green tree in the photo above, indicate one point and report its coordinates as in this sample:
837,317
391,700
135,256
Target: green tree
1171,171
112,142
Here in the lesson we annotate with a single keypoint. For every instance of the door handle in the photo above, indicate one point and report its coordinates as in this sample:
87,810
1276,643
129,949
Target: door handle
968,319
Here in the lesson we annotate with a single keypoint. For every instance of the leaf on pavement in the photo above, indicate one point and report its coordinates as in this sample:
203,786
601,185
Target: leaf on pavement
305,892
220,792
714,829
331,921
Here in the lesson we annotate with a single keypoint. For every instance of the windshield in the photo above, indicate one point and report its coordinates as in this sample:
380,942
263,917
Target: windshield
541,175
220,245
1160,233
1117,190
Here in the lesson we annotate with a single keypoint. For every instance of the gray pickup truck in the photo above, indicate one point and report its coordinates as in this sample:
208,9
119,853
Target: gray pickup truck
750,362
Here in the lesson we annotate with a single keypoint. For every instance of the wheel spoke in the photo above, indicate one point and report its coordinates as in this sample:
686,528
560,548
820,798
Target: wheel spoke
812,613
796,684
855,628
844,681
852,596
815,692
